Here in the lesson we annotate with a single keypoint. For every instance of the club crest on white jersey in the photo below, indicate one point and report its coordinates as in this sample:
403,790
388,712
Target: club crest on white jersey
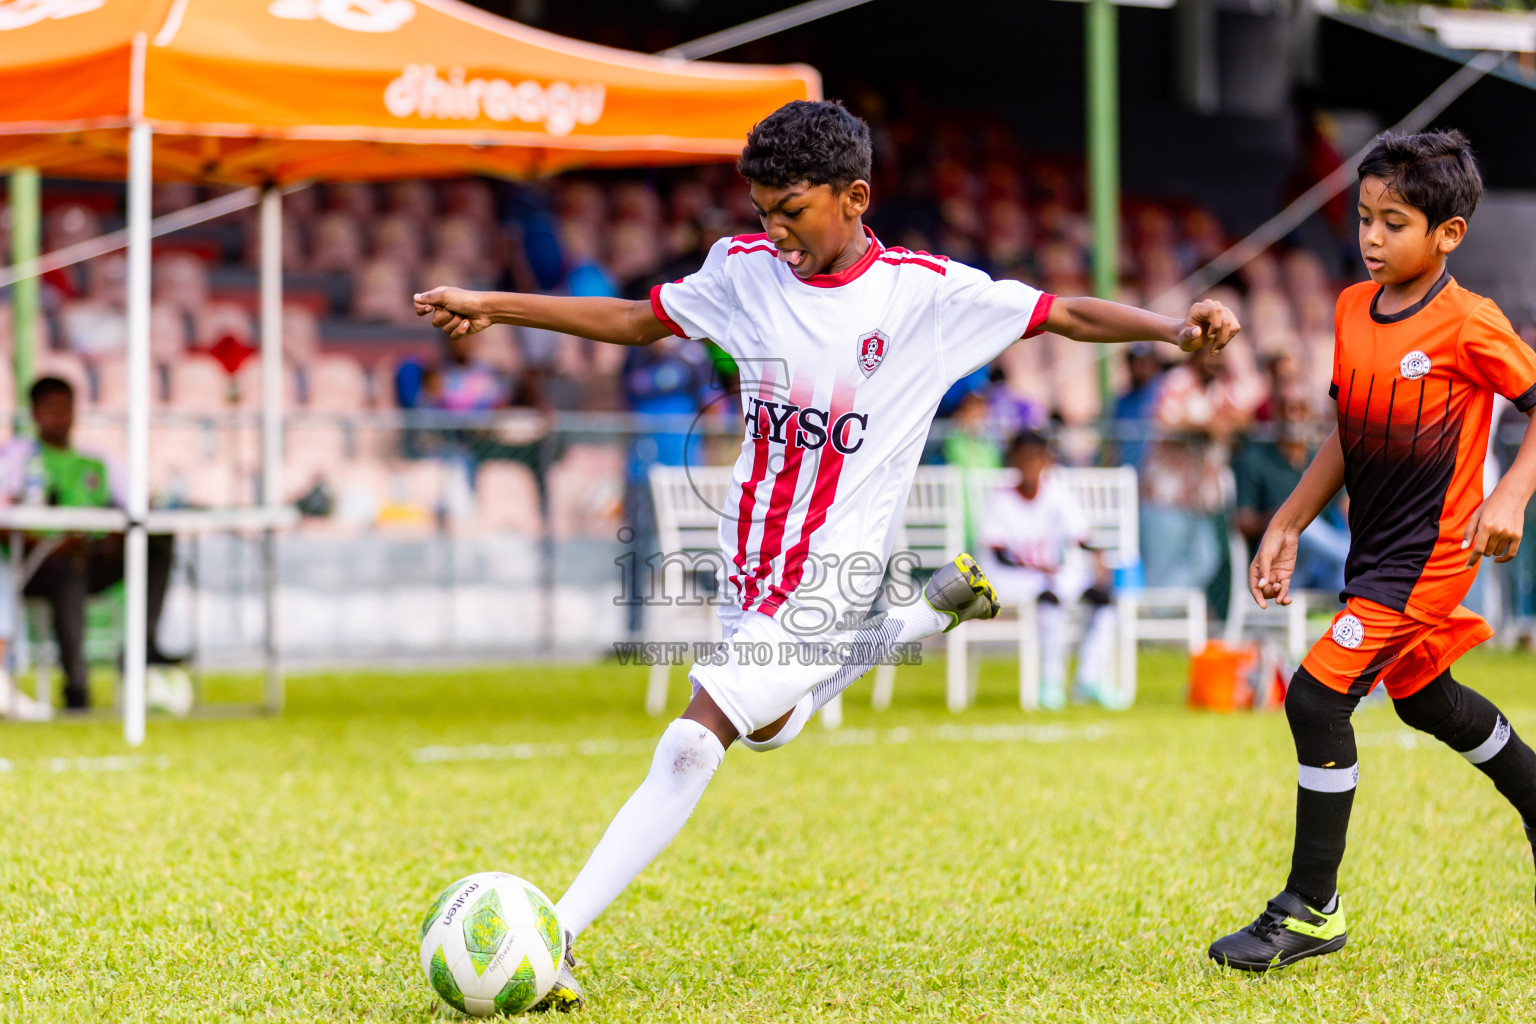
1414,365
872,349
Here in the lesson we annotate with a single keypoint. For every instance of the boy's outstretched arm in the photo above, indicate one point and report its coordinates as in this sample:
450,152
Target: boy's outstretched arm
459,311
1270,574
1099,320
1495,527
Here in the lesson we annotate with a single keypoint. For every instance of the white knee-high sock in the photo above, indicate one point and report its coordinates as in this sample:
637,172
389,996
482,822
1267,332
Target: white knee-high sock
1053,642
1093,655
685,761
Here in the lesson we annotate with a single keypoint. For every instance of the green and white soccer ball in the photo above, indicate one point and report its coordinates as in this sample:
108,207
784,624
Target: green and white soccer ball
491,944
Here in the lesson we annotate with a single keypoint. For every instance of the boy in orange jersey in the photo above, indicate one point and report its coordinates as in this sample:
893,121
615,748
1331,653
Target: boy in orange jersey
1417,362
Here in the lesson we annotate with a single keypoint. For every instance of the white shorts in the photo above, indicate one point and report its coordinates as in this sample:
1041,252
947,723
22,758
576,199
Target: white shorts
761,670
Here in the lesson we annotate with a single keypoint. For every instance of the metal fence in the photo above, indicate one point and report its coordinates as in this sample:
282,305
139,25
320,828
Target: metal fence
428,535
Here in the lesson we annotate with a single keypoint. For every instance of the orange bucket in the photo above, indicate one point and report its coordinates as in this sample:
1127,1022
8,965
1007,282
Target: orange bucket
1218,677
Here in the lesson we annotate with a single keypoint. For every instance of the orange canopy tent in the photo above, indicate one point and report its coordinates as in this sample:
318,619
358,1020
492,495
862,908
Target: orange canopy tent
262,91
277,92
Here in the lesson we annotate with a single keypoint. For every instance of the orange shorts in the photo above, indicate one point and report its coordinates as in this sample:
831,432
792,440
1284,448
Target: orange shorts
1370,643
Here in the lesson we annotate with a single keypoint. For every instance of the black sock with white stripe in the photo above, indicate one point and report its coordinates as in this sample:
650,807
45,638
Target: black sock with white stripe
1471,725
1328,769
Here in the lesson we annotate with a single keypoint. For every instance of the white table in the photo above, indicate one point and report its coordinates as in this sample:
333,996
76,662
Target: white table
18,519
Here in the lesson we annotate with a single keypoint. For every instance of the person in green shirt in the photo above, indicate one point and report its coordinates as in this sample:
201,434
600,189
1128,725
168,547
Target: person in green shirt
50,471
968,447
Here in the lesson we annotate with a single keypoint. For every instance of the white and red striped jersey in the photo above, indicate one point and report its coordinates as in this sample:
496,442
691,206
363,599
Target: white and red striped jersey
840,377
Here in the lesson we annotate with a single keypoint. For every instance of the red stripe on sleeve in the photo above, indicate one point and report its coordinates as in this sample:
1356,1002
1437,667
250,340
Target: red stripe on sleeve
1037,318
661,313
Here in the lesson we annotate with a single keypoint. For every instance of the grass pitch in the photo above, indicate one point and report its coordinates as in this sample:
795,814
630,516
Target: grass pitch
991,866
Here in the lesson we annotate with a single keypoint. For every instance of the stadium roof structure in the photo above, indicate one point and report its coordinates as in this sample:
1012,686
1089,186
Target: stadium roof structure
281,91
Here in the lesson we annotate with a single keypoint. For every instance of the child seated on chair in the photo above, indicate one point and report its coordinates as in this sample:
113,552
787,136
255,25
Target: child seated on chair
1035,546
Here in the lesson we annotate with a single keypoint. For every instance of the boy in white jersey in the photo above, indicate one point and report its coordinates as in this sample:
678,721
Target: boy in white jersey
1035,550
846,347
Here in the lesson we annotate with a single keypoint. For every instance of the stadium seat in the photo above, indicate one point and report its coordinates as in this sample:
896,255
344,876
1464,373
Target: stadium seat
337,383
198,384
381,293
471,198
413,199
397,238
167,333
181,281
301,334
112,382
586,492
218,320
249,387
687,503
459,240
497,348
507,497
337,245
68,224
93,326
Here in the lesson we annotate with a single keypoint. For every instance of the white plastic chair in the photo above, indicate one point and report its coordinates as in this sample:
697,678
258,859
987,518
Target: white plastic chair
932,529
689,501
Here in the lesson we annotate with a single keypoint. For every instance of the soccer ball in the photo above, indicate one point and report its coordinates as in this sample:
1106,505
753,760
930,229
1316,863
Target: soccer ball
491,943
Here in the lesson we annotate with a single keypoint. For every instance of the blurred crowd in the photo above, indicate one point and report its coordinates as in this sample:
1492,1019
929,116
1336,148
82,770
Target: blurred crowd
354,349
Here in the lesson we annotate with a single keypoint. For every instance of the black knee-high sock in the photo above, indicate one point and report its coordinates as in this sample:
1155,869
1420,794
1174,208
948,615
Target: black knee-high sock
1471,725
1328,769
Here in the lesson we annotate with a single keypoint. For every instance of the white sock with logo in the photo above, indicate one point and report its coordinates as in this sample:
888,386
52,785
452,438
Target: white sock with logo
684,762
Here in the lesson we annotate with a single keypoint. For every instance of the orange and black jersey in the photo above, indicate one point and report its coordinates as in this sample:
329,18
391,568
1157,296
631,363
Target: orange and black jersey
1415,396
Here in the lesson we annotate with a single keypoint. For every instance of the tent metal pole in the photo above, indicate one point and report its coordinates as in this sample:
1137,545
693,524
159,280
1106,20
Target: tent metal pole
26,231
271,427
136,569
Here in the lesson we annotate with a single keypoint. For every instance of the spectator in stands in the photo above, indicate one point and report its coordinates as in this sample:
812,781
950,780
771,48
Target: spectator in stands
1266,472
1134,409
1284,374
1198,410
1035,549
50,471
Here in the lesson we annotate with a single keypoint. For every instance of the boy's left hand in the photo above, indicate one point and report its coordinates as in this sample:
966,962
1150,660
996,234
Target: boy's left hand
1495,528
1209,323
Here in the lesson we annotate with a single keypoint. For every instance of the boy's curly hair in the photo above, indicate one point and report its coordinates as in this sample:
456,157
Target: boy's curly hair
1433,171
813,141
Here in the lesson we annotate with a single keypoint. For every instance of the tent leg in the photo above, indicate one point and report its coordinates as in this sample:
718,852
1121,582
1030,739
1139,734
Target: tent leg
271,427
136,568
26,234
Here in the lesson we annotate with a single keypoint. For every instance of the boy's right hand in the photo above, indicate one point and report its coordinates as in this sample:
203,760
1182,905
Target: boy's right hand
1270,574
457,311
